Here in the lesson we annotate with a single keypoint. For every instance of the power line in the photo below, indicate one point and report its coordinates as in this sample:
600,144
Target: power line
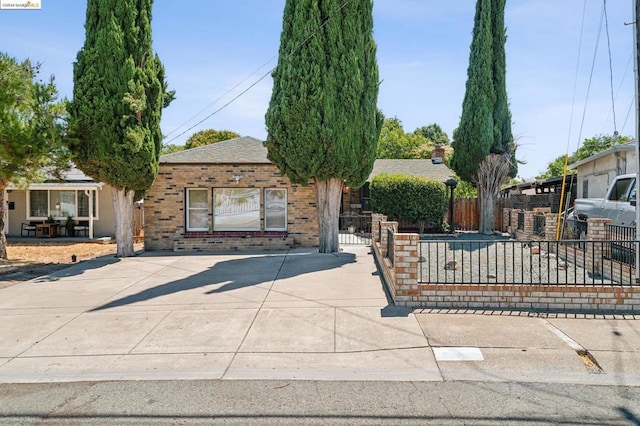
305,41
613,101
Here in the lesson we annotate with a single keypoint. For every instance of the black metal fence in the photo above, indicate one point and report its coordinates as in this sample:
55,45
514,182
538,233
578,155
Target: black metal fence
390,245
539,224
355,229
623,246
521,220
523,262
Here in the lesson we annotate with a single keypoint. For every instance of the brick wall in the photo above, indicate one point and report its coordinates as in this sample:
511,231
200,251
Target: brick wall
164,209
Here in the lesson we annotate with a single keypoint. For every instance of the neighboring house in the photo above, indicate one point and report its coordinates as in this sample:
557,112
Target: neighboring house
595,173
229,196
74,196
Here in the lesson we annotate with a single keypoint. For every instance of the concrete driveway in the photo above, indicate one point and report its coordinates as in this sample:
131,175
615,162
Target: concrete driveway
283,315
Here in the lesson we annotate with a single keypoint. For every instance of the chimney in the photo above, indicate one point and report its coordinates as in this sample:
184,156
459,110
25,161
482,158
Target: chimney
437,155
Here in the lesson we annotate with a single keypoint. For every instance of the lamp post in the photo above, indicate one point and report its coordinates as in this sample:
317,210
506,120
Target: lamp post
451,184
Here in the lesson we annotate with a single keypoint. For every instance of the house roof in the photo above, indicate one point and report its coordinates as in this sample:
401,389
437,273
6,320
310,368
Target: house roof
629,146
251,150
423,168
233,151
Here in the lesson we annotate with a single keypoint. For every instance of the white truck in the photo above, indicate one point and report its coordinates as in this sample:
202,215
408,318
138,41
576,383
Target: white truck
619,205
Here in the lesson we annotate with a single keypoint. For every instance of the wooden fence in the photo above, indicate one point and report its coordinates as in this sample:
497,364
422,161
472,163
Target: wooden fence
466,216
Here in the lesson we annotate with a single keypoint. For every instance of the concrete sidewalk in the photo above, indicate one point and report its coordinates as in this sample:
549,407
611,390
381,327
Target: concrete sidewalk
283,315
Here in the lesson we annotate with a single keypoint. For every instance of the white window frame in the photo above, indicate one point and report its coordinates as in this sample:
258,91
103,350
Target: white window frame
266,209
75,216
188,209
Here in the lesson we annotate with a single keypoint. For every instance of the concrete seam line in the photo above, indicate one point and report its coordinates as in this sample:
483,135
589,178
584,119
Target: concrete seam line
568,340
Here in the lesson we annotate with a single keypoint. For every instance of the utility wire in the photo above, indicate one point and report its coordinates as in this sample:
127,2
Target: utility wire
295,50
613,100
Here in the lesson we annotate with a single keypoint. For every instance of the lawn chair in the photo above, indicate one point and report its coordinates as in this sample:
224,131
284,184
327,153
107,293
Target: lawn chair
82,226
28,228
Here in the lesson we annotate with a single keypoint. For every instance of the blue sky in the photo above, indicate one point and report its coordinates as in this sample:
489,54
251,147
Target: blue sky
211,46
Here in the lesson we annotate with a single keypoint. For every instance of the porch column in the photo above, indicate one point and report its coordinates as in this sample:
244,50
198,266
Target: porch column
89,193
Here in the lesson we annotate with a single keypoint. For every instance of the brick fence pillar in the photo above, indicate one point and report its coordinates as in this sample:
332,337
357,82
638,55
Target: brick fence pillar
384,227
506,222
528,224
376,218
550,226
406,261
597,232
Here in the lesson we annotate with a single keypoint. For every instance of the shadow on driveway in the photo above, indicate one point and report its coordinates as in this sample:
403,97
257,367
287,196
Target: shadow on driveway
240,273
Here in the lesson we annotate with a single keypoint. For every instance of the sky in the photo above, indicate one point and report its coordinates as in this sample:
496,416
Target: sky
561,83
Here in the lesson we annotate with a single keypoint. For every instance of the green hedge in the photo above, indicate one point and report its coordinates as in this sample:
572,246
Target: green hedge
418,199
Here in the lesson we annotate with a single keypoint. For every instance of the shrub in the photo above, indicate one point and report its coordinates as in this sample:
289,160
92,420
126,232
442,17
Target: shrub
414,198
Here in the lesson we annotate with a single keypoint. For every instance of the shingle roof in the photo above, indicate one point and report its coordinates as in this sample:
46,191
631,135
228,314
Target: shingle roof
423,168
233,151
251,150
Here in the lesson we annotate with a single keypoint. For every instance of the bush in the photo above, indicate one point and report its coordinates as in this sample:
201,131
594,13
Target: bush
414,198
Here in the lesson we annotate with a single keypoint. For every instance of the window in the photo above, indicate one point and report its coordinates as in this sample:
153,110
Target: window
236,209
197,210
585,189
620,190
60,204
275,209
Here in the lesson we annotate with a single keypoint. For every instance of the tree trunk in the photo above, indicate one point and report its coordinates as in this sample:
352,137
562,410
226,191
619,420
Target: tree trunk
486,201
492,173
3,239
123,208
328,194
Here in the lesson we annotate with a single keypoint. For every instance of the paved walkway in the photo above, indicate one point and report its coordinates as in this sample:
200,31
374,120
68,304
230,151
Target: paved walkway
283,315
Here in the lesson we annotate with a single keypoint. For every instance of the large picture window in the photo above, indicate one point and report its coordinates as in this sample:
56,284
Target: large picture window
60,204
275,209
197,210
236,209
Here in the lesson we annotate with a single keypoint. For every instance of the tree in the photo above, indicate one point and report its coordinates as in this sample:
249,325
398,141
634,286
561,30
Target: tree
484,134
395,143
588,148
434,133
323,122
32,129
118,96
207,137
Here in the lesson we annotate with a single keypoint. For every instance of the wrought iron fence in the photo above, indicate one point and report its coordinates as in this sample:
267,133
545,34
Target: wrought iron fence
522,262
390,245
521,221
539,224
623,245
355,229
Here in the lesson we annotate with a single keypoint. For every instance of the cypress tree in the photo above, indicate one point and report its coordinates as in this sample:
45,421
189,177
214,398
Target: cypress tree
485,124
118,96
323,123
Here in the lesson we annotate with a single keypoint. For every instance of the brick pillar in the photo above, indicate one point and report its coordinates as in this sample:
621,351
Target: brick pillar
514,221
406,261
597,232
528,225
506,215
376,218
550,226
384,226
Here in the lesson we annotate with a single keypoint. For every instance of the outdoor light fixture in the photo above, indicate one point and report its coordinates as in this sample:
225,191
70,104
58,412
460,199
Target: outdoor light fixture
237,178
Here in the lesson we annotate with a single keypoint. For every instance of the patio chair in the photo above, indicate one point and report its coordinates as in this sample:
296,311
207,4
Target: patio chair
28,228
82,226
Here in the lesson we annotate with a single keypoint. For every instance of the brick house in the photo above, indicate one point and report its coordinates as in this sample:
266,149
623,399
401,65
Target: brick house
227,196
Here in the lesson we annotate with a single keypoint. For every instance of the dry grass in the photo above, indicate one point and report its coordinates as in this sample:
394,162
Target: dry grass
28,260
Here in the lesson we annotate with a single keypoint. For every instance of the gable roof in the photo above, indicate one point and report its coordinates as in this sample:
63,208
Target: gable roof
422,168
249,150
233,151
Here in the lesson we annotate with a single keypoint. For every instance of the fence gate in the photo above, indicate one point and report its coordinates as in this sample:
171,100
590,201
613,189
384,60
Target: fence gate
355,229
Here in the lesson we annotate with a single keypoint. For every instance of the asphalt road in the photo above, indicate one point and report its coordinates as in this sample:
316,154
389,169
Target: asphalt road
316,402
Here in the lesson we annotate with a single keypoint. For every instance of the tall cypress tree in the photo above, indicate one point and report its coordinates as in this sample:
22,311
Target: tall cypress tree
118,97
485,124
323,123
